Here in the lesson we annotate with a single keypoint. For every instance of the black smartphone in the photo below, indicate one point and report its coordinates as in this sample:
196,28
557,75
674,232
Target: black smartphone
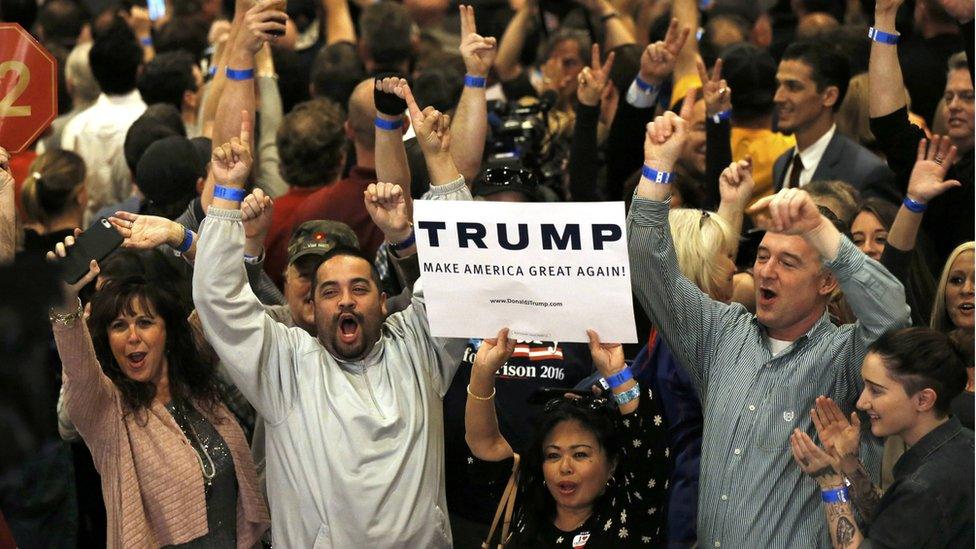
544,395
95,243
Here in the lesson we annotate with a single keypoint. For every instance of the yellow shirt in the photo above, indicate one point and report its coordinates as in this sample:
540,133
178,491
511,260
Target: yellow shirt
764,146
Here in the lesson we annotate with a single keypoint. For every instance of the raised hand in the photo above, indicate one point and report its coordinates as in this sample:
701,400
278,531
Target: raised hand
145,232
931,165
665,137
432,127
262,24
593,79
790,211
718,96
840,437
494,352
70,291
477,51
735,184
554,78
137,18
887,6
256,213
387,206
232,161
658,59
607,357
814,461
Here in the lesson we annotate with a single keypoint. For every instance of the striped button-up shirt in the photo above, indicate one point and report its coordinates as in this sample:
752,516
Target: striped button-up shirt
751,493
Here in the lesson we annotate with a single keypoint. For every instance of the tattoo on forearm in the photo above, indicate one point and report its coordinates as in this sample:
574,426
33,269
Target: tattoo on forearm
840,520
823,472
864,494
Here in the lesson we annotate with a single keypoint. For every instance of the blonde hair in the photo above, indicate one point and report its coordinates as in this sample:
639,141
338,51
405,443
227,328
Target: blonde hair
56,177
940,317
699,237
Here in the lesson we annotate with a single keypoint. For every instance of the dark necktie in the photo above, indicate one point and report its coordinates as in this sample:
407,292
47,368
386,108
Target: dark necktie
795,172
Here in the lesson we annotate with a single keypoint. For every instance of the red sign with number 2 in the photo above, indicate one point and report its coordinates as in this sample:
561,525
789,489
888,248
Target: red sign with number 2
28,88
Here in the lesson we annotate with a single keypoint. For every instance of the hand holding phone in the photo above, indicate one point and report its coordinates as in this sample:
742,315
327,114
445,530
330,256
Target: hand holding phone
95,243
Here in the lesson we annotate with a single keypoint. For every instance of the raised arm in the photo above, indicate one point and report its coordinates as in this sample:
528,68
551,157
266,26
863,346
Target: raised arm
926,182
90,397
686,12
718,111
338,22
391,155
8,210
257,351
584,160
689,320
268,177
471,115
238,90
884,70
480,419
874,294
618,28
433,131
507,65
735,187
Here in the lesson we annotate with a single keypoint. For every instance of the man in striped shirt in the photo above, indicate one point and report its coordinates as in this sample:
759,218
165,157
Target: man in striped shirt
758,375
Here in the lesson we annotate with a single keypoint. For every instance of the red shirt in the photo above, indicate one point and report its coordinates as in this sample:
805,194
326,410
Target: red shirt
343,201
276,243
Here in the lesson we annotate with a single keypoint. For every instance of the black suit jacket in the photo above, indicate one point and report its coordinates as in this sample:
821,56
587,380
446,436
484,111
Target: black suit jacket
844,160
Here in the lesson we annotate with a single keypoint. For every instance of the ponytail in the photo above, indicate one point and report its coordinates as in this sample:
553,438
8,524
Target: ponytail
55,180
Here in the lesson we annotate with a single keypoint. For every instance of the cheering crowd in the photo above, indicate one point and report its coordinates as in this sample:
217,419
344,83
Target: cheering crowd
248,361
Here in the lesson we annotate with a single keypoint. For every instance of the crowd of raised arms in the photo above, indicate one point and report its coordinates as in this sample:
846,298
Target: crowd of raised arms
253,366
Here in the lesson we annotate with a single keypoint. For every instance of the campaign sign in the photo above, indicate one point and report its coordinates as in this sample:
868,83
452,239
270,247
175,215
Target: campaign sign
546,271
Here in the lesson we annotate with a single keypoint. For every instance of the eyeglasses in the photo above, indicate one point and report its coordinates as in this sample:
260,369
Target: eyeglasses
594,404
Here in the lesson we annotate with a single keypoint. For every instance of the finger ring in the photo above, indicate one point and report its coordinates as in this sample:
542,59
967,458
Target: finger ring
938,159
722,91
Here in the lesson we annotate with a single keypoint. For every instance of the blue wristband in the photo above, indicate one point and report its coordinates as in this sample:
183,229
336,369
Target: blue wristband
147,41
242,74
720,116
229,193
645,87
619,378
475,81
657,177
384,124
627,396
212,71
836,495
400,246
913,206
882,36
187,241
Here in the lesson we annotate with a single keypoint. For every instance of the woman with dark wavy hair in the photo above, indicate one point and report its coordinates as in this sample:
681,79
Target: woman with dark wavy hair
596,475
174,464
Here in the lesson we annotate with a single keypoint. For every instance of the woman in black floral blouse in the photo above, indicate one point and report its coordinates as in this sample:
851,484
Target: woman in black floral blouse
596,475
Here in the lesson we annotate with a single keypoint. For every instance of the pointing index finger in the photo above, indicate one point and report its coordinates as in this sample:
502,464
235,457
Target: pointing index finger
415,113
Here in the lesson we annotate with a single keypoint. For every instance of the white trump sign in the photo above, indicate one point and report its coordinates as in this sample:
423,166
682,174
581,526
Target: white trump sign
546,271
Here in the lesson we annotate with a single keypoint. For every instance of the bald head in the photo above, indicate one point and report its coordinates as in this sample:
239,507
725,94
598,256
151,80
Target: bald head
814,24
362,112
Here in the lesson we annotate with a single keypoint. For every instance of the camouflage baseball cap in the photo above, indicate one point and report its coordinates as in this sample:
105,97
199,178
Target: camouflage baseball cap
320,237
